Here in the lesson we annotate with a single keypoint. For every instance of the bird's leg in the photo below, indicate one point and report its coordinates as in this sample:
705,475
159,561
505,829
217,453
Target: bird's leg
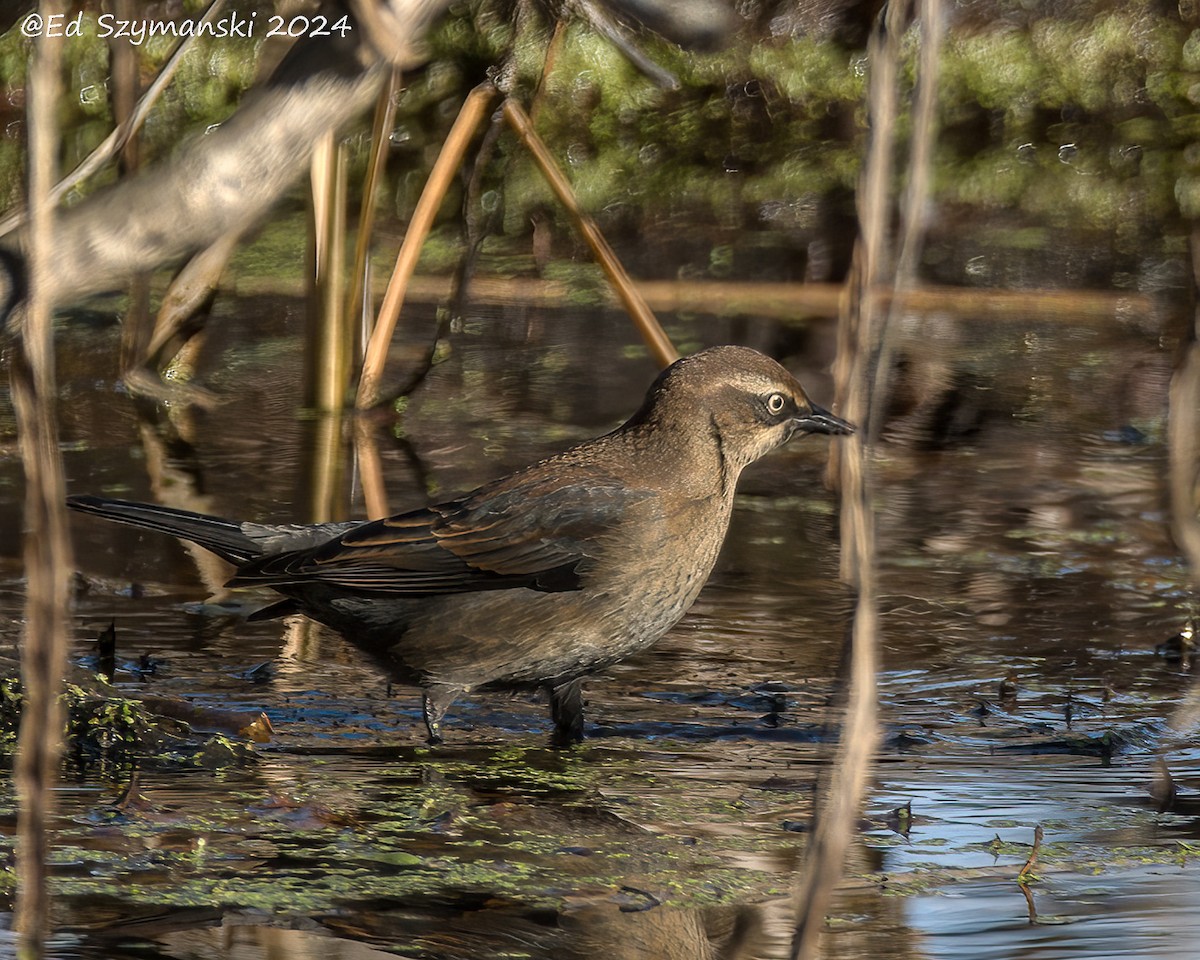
566,710
435,701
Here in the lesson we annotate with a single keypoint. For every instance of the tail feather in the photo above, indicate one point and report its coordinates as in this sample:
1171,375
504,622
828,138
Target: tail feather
222,537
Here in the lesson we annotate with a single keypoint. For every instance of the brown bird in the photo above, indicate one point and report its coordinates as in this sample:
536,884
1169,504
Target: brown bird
544,576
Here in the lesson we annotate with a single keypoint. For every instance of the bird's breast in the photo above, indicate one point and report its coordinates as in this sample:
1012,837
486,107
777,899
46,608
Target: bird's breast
653,576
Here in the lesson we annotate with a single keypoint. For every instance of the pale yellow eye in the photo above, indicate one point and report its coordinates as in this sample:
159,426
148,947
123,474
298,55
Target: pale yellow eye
775,403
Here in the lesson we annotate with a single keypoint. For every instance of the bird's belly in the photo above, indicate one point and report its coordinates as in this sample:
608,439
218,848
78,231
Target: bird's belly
519,637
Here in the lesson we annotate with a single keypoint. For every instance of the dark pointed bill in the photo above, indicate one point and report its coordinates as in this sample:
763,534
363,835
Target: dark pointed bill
820,420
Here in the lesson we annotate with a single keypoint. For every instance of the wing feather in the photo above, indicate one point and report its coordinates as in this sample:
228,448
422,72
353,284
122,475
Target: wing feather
539,532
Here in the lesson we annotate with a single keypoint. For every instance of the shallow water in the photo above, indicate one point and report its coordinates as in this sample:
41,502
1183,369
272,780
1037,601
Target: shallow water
1027,572
1034,547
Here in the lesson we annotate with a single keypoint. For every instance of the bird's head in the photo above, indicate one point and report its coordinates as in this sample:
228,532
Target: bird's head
746,402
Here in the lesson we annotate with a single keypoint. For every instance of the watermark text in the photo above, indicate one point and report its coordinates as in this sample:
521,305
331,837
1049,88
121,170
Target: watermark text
230,25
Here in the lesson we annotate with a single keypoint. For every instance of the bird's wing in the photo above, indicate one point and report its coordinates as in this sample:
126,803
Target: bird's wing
539,532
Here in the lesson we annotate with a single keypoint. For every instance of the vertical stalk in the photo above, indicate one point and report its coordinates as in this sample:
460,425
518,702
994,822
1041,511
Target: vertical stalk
331,335
123,72
863,352
913,205
1183,434
381,128
47,549
330,340
474,109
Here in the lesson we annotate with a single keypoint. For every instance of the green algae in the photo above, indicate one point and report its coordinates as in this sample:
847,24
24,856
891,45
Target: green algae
509,828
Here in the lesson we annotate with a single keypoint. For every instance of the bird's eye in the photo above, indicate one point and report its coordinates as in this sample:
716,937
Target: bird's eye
775,403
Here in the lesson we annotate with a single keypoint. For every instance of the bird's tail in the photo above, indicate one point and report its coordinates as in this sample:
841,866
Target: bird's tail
223,537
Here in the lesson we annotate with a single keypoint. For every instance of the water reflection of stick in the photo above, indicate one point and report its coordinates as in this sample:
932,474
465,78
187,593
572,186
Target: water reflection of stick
370,467
1033,914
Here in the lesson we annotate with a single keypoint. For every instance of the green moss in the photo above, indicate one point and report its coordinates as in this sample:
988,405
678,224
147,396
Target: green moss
111,725
112,734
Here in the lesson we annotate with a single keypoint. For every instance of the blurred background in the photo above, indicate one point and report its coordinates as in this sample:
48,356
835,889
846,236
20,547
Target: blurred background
1037,606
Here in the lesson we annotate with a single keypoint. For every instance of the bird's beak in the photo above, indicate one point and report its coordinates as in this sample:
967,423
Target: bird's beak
820,420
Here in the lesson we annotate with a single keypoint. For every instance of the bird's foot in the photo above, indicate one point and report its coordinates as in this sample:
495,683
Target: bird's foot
566,710
564,740
435,701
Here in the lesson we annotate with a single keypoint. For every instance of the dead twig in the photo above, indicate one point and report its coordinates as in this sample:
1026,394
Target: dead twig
656,339
1027,873
861,335
474,109
47,545
599,20
115,142
1183,436
381,127
330,339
